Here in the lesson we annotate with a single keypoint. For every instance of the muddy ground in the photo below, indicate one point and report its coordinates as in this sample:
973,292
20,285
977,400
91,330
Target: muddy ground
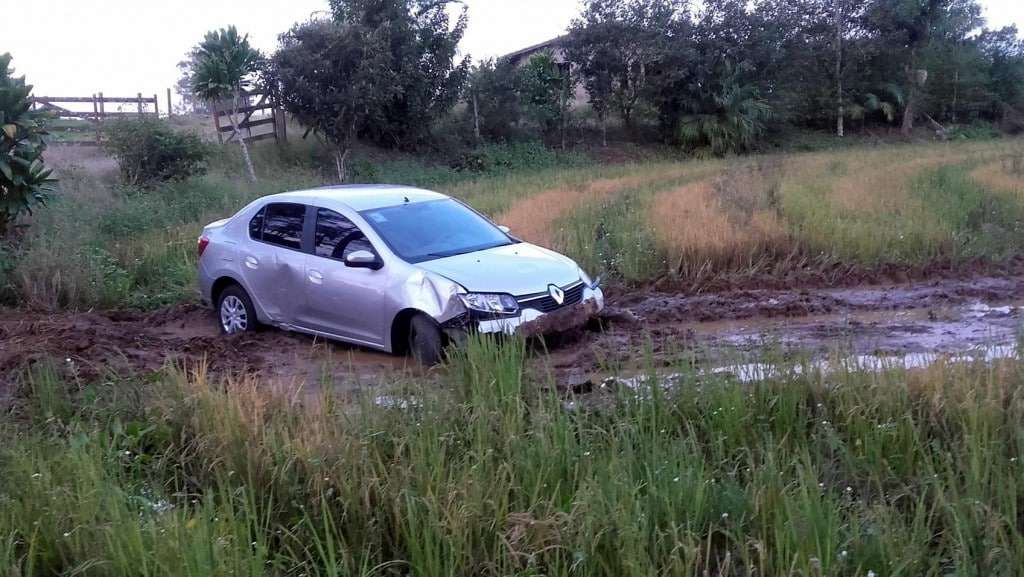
940,316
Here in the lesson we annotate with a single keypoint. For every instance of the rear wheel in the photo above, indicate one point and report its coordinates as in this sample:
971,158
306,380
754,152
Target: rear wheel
235,311
425,341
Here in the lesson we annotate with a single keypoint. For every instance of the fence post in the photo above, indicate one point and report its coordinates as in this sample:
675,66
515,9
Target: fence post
280,132
156,107
169,107
139,100
96,116
103,113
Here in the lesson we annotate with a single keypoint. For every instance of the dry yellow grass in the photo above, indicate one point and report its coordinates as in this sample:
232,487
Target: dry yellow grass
533,218
696,230
878,181
996,177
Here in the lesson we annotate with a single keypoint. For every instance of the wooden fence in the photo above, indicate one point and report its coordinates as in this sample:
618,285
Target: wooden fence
254,110
120,107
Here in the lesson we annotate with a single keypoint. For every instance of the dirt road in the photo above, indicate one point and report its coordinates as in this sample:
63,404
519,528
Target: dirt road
942,316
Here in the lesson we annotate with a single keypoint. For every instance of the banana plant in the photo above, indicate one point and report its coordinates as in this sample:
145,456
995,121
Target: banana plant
24,179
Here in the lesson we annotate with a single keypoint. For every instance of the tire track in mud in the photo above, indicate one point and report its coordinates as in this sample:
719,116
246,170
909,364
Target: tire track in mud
92,345
944,315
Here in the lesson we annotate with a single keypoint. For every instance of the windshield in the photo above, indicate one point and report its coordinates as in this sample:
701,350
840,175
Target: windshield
423,231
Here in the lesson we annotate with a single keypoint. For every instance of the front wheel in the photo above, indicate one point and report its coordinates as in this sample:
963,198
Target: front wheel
235,311
425,341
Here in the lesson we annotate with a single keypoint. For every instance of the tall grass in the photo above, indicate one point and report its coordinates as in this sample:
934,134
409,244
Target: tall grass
696,222
779,215
892,473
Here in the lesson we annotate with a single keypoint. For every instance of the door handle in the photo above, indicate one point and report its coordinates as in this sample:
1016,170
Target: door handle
252,262
315,277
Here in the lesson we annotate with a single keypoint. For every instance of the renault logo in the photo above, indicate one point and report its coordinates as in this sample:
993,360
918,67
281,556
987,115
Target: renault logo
556,293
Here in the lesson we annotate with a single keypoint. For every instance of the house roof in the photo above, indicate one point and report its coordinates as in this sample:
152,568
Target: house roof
535,48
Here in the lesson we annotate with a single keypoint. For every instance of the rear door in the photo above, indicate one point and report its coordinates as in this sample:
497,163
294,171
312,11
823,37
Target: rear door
342,300
273,261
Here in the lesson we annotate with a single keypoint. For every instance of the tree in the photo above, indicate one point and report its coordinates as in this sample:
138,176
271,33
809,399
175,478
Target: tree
492,93
183,86
377,69
225,65
723,116
544,88
24,180
612,45
909,28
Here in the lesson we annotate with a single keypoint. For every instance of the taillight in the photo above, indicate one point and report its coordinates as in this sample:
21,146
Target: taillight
203,242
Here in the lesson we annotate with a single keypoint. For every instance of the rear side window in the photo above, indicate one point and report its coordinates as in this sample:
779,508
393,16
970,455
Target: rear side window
282,224
256,225
336,236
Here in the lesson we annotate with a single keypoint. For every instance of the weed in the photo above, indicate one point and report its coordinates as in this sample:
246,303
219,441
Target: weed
891,472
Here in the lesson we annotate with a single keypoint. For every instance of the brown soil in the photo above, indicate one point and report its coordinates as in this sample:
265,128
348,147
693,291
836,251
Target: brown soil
92,344
938,315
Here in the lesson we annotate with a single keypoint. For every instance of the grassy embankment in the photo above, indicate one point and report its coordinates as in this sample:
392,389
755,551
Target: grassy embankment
693,222
850,474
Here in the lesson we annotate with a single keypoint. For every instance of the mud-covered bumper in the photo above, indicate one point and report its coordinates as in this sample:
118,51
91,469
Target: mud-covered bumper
531,322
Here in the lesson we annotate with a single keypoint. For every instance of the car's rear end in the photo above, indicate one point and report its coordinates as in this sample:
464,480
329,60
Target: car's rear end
215,256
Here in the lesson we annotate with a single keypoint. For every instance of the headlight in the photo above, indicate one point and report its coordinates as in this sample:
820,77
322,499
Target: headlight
495,303
586,279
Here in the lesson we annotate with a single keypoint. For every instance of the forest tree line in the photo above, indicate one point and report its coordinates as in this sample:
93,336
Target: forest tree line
710,77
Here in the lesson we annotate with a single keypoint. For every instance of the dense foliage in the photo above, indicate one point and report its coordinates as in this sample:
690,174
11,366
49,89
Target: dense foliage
24,181
382,70
149,151
712,74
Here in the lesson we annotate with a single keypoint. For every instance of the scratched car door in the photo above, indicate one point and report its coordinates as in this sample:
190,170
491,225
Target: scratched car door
273,261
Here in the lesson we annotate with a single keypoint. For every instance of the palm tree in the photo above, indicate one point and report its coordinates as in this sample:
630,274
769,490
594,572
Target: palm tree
224,66
725,116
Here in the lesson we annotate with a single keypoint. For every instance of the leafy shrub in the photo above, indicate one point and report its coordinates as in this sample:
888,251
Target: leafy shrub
149,151
977,130
24,181
531,155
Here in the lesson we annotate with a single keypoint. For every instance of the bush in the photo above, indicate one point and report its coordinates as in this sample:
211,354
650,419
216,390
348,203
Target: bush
149,151
24,180
490,158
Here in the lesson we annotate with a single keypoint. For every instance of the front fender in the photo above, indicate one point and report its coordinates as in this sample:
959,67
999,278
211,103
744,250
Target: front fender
434,295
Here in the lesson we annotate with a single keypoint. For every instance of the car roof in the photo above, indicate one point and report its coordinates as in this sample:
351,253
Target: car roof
358,196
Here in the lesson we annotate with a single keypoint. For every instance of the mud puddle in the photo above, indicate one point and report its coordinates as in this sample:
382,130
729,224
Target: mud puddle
914,321
907,324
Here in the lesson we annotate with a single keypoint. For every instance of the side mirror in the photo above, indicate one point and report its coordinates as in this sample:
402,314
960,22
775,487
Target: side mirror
504,229
363,259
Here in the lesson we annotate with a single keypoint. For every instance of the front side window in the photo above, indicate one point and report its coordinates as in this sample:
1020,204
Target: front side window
422,231
282,224
336,237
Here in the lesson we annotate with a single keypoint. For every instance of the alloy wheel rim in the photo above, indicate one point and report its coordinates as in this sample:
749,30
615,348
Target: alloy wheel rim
233,316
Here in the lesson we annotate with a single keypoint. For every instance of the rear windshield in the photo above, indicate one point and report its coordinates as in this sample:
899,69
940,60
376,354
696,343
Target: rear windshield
422,231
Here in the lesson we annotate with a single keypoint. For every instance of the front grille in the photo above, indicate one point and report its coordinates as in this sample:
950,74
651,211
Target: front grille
545,304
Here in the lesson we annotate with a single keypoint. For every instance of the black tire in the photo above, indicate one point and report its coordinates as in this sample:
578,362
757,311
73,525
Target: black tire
425,340
235,313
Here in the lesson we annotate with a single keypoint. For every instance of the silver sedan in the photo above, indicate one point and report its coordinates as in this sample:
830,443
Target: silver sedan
393,268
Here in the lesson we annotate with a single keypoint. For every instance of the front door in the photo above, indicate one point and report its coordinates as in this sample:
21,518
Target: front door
342,300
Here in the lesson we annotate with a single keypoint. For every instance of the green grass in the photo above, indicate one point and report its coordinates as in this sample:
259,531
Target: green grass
905,206
895,473
98,244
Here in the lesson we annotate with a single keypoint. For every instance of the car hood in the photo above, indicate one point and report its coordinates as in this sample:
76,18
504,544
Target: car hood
517,269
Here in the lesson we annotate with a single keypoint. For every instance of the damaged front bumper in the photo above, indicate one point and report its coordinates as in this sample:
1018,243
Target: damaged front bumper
531,322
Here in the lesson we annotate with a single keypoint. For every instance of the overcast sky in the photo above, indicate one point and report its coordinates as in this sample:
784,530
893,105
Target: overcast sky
123,47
